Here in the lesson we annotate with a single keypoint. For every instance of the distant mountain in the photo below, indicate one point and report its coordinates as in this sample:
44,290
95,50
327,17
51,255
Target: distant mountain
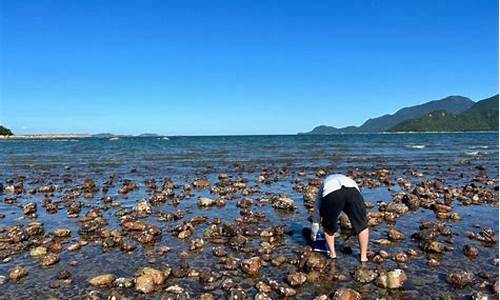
5,131
483,115
453,104
148,135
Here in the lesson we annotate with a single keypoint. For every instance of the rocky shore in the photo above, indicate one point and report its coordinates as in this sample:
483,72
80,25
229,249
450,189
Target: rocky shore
238,236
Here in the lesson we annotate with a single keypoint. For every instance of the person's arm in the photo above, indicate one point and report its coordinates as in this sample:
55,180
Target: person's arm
316,214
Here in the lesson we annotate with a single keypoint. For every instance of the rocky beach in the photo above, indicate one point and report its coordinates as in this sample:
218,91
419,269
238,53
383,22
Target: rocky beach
222,217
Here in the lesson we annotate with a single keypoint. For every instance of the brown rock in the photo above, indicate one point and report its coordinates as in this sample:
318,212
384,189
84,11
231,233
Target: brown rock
296,279
471,251
346,294
102,280
252,265
17,273
459,279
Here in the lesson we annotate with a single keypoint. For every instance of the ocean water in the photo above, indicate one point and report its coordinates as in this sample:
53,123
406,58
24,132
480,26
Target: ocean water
453,158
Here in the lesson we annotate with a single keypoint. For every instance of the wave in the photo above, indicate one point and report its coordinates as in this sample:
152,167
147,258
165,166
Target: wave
472,153
416,146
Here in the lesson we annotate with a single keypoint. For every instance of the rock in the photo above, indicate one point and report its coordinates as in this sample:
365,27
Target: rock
432,246
398,208
102,280
321,297
395,235
401,257
262,296
391,280
17,273
296,279
346,294
471,251
196,244
61,232
459,279
49,259
313,261
3,279
284,203
124,282
145,284
38,251
143,207
495,287
205,202
252,265
479,295
206,296
263,287
157,275
175,289
287,291
365,275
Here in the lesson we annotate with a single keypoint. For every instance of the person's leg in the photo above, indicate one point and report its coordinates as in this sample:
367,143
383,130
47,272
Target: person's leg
330,241
356,211
363,244
331,206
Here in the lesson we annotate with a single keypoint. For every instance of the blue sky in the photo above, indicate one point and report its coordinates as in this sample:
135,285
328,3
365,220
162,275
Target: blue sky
236,67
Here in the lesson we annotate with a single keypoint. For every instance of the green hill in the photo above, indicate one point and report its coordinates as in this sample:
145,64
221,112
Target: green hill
5,131
482,116
453,104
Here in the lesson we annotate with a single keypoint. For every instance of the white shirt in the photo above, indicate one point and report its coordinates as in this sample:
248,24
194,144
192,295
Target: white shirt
331,184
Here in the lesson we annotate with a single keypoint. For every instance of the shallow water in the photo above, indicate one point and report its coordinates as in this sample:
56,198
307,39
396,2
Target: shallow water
183,159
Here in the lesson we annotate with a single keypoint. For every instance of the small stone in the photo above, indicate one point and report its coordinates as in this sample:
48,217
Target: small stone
38,251
395,235
143,207
205,202
365,275
17,273
252,265
61,232
471,251
459,279
297,279
346,294
392,280
479,295
175,289
49,259
102,280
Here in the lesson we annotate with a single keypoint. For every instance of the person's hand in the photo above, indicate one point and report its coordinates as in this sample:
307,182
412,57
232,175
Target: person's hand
314,231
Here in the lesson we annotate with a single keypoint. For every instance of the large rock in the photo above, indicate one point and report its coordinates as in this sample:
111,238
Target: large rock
459,279
252,265
394,279
346,294
102,280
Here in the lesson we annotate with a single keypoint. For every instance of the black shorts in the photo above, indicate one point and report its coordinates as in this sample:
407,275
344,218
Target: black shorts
348,200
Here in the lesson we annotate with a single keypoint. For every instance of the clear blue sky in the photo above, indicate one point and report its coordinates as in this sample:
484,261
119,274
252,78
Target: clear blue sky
236,67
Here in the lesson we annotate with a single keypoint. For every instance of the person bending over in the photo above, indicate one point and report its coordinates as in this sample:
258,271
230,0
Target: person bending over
340,193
